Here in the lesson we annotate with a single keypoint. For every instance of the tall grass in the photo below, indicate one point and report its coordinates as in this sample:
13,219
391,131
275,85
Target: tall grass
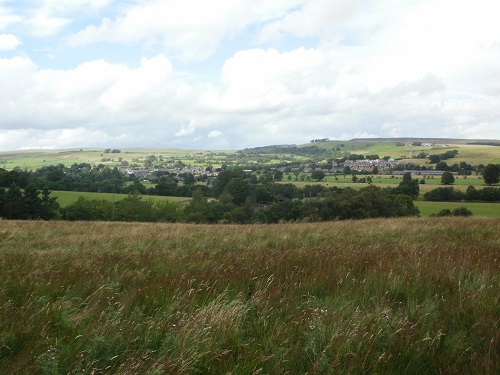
375,296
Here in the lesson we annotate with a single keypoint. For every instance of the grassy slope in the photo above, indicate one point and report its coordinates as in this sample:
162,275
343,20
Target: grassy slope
387,296
33,159
472,154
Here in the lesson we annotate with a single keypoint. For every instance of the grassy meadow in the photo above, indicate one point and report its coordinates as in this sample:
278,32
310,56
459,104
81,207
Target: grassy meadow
397,296
65,198
34,159
477,208
472,154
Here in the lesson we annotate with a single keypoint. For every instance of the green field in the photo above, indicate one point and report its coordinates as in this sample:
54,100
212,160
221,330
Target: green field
391,296
65,198
33,159
477,209
472,154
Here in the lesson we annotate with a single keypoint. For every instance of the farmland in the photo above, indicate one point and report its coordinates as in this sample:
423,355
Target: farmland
32,159
373,296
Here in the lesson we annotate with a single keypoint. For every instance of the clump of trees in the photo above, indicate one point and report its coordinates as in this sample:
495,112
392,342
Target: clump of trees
444,194
436,158
30,204
459,211
335,204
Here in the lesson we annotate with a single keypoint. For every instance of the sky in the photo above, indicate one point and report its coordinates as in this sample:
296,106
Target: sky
231,74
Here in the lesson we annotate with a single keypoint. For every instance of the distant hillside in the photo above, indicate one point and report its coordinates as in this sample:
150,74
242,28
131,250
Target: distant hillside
486,142
471,151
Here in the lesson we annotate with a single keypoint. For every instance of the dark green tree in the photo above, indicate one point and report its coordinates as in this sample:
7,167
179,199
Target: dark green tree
447,178
491,174
88,210
408,186
133,208
223,179
50,206
239,189
189,179
317,175
168,211
278,175
14,207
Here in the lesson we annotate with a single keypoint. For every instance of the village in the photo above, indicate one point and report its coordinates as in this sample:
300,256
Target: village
387,166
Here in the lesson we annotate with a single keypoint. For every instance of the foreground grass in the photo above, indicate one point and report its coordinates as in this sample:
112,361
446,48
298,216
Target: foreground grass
375,296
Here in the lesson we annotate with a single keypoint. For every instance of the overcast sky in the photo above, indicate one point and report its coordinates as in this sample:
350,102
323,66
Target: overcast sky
229,74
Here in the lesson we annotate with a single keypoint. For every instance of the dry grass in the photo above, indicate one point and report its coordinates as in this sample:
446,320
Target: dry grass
387,296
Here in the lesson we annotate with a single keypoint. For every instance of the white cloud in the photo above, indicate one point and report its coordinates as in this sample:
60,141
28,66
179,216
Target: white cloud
339,69
215,134
189,29
46,25
8,17
313,18
264,80
9,42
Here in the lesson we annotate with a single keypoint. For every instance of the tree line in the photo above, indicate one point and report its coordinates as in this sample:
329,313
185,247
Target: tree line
445,194
337,204
232,198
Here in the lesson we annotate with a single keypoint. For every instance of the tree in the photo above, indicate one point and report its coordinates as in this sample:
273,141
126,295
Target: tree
13,203
133,208
189,179
434,159
442,166
491,174
408,186
50,206
447,178
318,175
278,175
239,190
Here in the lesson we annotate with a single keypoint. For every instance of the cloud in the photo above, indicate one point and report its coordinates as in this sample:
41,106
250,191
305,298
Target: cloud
326,69
8,17
266,80
427,85
215,134
313,18
45,18
9,42
188,29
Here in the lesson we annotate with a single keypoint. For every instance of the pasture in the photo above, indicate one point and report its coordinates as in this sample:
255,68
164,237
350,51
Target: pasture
477,209
394,296
65,198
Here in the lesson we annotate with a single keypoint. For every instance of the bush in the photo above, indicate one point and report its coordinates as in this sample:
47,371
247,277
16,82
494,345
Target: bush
461,211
